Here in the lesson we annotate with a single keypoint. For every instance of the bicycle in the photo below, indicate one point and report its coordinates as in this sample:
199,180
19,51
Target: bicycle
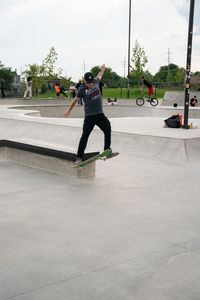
140,101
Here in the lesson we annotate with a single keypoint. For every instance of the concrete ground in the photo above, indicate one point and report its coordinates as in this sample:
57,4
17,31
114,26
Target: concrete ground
132,232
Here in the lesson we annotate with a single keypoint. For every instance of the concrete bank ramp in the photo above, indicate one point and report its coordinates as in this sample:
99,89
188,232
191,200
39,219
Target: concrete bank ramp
57,111
158,148
131,137
177,97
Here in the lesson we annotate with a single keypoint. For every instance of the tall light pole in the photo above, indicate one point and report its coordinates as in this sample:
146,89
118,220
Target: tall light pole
188,65
129,44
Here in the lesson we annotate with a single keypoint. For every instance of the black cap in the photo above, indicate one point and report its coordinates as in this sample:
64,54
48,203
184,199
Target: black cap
89,77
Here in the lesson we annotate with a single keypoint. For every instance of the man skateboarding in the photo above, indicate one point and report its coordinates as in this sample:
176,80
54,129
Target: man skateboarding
91,95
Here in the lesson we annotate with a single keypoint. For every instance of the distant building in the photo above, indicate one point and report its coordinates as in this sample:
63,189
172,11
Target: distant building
51,83
16,80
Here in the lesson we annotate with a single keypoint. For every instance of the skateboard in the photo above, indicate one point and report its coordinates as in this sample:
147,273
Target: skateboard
98,156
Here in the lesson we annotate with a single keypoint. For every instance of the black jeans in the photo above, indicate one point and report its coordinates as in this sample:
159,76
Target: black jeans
90,121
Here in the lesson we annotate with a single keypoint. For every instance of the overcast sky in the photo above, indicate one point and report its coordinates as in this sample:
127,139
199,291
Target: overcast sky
96,32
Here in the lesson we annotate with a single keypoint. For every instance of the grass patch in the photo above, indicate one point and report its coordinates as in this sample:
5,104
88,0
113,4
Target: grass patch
133,93
115,93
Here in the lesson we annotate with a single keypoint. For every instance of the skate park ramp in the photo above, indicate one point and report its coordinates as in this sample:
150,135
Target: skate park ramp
178,97
139,127
129,109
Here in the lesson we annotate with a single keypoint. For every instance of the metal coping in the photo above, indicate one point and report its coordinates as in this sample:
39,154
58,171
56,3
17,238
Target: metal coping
43,150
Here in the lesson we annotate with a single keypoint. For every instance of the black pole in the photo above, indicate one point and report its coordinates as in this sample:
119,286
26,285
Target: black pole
129,43
188,65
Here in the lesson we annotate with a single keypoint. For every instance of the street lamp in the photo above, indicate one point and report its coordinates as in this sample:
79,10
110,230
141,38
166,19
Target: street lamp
188,65
129,42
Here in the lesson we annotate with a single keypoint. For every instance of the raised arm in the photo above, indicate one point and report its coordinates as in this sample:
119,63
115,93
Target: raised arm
102,68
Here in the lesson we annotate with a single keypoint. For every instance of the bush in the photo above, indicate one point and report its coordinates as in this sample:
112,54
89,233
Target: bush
44,88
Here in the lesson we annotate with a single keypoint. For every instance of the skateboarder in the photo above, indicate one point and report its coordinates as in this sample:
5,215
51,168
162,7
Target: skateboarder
94,115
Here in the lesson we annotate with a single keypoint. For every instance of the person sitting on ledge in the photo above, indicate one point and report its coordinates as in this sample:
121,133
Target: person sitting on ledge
193,101
112,102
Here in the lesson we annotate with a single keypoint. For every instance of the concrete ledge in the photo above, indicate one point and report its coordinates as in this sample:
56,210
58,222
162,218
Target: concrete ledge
48,159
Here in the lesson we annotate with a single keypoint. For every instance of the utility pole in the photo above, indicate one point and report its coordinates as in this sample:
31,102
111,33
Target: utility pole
84,67
169,55
168,66
188,64
129,43
124,66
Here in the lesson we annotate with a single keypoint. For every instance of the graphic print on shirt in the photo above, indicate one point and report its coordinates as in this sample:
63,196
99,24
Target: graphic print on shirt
94,92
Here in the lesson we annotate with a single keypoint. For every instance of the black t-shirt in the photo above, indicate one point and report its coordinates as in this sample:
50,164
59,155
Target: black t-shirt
101,84
193,101
92,98
78,85
148,84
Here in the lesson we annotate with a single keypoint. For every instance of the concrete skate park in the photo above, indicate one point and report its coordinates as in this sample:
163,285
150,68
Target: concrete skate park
127,228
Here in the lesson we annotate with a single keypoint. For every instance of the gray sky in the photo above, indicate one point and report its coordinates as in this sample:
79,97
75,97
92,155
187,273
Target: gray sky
95,31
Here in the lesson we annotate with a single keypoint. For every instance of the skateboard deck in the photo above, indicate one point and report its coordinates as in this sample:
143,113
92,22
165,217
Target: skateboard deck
99,156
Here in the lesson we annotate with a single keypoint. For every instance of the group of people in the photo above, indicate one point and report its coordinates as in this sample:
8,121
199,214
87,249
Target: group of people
73,89
61,90
27,90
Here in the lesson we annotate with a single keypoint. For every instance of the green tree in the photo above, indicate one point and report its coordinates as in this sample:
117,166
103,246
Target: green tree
139,60
95,70
197,73
148,76
123,82
110,78
133,78
41,72
7,74
161,75
180,75
65,82
44,88
171,74
49,65
36,72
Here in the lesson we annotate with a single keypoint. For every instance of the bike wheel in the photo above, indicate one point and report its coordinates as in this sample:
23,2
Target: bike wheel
154,102
140,101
